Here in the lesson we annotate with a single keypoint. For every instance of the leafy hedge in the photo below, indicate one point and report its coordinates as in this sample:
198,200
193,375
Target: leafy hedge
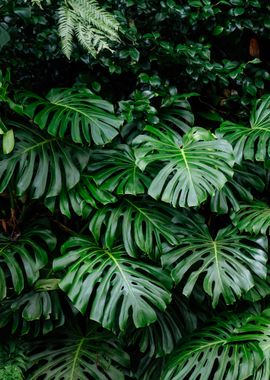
134,180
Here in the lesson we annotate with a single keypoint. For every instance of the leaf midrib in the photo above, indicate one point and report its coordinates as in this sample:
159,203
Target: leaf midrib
216,254
33,147
121,272
77,353
187,167
145,215
208,345
73,109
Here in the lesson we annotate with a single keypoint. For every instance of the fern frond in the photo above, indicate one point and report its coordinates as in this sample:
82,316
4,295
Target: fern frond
66,29
90,12
94,27
91,39
85,37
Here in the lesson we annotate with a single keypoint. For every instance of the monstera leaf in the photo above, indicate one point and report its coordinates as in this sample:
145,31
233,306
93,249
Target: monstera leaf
77,112
116,170
42,165
227,263
260,290
176,111
33,312
247,179
81,199
162,337
68,202
148,368
253,217
142,225
232,348
77,355
229,197
251,142
193,167
22,259
260,327
118,286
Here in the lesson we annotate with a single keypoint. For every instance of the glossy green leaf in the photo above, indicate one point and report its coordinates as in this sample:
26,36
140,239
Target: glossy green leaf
226,263
140,225
34,312
81,199
260,290
227,350
193,167
253,217
162,337
77,355
116,170
23,257
258,329
176,111
8,142
118,286
41,164
251,142
75,112
247,180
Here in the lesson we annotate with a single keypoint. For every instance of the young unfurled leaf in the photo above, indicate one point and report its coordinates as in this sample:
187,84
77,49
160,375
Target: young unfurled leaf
8,142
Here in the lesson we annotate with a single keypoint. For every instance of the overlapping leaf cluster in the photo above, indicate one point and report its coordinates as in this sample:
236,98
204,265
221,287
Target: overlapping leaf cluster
146,246
134,222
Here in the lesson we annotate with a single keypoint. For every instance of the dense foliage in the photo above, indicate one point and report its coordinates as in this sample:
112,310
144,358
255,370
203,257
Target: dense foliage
134,180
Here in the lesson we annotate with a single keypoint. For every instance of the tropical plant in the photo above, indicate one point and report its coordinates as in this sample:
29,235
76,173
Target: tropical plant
93,26
251,142
134,289
79,354
195,166
134,192
209,351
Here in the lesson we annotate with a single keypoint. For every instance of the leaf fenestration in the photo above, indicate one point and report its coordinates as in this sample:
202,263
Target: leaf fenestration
77,113
193,167
226,264
120,287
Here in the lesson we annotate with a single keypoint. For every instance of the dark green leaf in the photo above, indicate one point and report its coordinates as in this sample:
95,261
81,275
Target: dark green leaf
193,167
118,286
140,225
116,170
77,355
33,312
252,217
4,37
162,337
80,113
208,353
251,142
22,259
41,164
226,264
246,180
